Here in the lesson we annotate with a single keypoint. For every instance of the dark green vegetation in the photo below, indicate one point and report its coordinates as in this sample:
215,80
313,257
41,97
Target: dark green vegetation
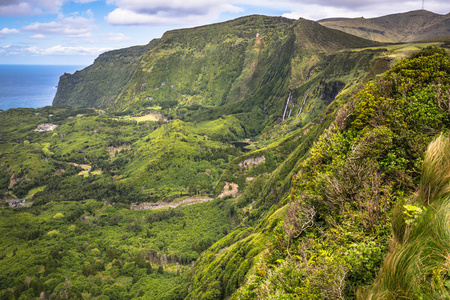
86,249
288,125
413,26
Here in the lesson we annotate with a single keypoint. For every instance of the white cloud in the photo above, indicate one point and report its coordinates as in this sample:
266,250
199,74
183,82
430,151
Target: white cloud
168,12
38,36
318,9
115,37
73,26
4,49
55,50
6,31
33,7
182,12
158,5
64,50
11,50
18,9
196,12
314,12
30,7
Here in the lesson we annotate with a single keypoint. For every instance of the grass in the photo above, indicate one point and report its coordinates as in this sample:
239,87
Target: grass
85,172
149,117
436,171
35,190
403,49
418,267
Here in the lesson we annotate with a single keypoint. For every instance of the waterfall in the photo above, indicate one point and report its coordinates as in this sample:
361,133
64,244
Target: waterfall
303,104
287,104
290,109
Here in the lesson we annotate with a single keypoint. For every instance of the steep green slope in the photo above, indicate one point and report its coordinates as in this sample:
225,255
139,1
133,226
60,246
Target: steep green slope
337,222
240,65
264,178
101,83
199,65
329,236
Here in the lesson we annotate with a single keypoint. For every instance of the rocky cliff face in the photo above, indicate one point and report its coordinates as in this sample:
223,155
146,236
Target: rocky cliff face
101,83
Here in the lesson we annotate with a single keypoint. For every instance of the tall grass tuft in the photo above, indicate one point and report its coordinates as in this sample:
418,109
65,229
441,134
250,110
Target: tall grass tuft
434,182
418,265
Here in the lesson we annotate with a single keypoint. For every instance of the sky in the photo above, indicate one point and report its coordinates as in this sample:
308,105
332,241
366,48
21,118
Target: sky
75,32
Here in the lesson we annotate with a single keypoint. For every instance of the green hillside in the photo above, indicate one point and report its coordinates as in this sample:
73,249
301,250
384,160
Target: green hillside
101,83
338,217
280,159
236,66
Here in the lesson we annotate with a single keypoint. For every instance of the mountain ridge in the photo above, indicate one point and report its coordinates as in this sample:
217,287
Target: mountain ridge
112,81
410,26
235,65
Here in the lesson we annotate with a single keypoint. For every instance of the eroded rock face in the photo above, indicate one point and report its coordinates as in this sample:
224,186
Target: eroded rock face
251,162
230,189
46,127
15,180
185,202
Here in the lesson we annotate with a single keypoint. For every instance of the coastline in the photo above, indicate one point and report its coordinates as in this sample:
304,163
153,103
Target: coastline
30,86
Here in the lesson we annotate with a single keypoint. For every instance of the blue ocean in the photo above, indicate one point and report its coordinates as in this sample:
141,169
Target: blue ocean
30,85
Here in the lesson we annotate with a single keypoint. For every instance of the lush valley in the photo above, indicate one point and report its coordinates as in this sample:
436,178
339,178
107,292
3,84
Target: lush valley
291,151
87,249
